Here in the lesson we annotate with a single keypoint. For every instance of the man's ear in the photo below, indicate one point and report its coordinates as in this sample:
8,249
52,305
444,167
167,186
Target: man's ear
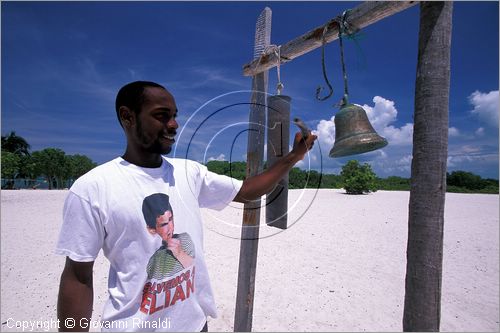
152,231
127,116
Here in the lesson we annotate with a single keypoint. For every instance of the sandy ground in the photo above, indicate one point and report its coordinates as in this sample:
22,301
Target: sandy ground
340,266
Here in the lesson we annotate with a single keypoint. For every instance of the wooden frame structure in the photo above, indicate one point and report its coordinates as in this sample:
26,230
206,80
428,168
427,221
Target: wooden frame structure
436,16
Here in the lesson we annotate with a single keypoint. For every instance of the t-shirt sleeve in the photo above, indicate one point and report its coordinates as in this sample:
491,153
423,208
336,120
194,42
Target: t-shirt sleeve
82,233
217,191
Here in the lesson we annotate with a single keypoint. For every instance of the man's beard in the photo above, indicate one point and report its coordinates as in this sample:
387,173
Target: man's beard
151,145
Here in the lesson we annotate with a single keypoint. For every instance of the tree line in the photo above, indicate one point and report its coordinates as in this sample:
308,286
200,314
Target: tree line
58,169
358,178
355,178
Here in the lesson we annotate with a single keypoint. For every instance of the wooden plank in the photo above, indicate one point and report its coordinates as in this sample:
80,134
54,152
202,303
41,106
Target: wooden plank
363,15
255,154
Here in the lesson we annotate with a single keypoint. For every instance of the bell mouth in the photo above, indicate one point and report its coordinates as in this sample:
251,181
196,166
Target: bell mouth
357,144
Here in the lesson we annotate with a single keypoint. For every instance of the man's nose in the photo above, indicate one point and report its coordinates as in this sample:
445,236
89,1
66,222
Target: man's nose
172,124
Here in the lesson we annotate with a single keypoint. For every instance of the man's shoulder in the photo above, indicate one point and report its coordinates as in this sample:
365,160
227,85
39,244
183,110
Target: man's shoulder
101,168
97,175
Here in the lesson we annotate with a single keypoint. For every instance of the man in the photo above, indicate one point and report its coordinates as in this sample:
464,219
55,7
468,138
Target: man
103,211
177,251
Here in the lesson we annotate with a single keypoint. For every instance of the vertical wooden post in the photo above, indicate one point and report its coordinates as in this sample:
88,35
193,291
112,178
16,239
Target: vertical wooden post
255,152
422,307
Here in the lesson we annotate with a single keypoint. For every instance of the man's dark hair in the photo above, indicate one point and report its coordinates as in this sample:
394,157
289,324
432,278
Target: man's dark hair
153,206
132,96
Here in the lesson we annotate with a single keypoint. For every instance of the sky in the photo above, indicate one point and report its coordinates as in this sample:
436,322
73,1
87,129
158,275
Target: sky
62,64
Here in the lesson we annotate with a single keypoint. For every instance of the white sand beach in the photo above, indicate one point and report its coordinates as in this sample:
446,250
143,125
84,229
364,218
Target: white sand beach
340,266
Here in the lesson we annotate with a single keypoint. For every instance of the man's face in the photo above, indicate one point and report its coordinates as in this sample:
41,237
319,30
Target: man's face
165,225
156,124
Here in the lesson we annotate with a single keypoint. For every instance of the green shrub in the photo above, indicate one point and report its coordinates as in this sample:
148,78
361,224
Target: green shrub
358,179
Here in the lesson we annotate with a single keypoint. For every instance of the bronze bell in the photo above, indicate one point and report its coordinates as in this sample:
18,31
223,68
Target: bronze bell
353,133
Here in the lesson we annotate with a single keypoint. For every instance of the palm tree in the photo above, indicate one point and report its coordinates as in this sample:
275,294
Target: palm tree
15,144
422,308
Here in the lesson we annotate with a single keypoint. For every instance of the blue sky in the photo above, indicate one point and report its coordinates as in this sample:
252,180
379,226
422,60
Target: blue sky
63,62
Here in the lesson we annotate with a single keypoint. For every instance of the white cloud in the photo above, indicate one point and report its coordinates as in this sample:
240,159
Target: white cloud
468,149
402,165
453,132
459,161
476,154
221,157
485,106
217,76
389,165
396,158
480,131
325,131
398,136
382,154
405,162
381,115
133,73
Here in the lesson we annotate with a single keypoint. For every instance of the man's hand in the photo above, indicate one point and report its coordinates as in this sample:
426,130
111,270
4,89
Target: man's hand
174,245
301,146
263,183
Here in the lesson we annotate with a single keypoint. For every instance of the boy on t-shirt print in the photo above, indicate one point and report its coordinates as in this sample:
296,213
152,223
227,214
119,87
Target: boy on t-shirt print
177,250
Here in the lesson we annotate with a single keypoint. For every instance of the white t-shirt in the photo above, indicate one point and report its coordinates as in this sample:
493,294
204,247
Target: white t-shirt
105,210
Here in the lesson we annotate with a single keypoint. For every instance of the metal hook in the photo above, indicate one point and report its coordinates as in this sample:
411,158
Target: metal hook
318,90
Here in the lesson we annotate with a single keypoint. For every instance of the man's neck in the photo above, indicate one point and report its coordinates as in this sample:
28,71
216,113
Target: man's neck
144,161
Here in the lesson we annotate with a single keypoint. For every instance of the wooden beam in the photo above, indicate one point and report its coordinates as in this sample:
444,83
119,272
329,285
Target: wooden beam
363,15
255,154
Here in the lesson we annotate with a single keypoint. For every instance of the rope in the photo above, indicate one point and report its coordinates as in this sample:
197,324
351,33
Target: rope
276,49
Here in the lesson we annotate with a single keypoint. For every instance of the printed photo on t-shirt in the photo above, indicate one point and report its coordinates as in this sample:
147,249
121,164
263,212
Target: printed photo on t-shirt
169,280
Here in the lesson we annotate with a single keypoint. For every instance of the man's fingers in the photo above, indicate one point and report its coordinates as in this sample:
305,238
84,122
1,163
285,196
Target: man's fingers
299,137
310,141
311,138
